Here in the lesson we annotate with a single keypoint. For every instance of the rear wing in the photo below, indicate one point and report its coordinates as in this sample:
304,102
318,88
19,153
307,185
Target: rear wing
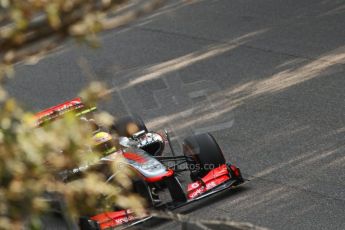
57,111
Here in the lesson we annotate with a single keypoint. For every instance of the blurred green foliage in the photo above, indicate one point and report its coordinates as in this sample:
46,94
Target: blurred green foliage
31,157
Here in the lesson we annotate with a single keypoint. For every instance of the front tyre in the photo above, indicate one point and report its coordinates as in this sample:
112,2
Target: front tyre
203,153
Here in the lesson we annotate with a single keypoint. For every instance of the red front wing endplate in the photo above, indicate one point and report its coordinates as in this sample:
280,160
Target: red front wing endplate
214,178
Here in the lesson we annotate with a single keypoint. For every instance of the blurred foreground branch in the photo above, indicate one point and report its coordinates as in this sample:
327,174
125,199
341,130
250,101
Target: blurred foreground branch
34,27
31,157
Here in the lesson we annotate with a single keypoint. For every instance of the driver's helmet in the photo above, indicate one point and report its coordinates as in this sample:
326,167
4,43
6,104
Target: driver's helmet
104,143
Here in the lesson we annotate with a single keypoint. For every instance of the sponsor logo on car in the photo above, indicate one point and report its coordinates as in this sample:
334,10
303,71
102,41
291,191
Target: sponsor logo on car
125,219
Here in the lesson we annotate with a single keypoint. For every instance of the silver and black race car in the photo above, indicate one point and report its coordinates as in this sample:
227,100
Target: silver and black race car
157,172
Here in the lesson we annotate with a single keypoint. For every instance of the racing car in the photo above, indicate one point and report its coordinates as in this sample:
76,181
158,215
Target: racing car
157,172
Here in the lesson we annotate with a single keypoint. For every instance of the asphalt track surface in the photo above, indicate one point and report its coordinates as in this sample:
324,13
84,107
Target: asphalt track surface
265,77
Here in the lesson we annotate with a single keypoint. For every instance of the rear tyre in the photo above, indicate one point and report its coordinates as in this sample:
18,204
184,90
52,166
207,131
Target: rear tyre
203,153
125,126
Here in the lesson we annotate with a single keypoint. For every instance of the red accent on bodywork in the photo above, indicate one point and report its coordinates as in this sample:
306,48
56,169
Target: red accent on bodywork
113,219
214,178
134,157
235,170
67,106
169,173
141,160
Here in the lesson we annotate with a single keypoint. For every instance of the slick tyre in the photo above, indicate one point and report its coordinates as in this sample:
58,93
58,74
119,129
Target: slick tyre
203,154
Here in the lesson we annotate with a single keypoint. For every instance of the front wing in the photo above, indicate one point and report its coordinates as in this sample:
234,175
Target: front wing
219,179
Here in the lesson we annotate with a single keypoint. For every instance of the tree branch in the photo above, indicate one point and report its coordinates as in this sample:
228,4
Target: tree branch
39,30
